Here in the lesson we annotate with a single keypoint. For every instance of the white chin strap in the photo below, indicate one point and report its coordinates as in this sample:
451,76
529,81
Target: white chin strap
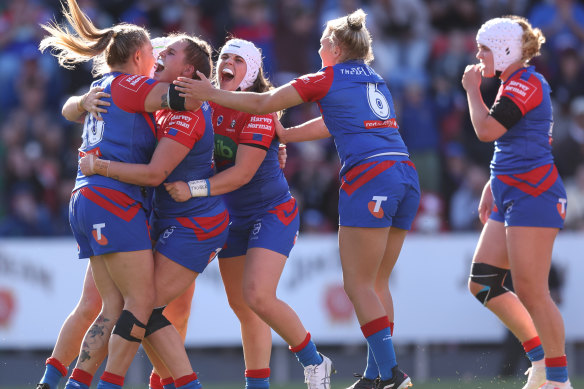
250,54
504,37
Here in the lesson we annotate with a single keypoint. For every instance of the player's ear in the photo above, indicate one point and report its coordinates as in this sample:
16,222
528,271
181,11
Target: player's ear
189,71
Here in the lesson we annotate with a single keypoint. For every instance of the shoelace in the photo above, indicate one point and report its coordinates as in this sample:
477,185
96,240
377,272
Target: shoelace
311,377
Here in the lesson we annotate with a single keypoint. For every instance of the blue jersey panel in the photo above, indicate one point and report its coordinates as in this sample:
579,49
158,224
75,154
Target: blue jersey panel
528,143
121,136
358,110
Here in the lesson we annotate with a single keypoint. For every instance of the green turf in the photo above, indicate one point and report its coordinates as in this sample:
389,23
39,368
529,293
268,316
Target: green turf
466,383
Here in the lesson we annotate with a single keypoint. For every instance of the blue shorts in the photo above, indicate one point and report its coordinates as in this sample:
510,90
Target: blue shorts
107,221
275,230
193,241
536,198
379,194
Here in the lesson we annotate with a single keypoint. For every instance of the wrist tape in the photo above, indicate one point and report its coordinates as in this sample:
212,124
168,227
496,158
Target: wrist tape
200,188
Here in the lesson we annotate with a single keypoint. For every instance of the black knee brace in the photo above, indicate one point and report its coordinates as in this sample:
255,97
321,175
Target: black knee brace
157,321
491,277
129,328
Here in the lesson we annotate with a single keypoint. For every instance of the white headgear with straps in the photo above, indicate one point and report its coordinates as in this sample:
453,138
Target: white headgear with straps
158,46
504,37
250,54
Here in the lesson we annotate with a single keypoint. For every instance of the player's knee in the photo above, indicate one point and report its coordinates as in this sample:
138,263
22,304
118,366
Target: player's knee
87,310
254,298
129,328
156,321
486,281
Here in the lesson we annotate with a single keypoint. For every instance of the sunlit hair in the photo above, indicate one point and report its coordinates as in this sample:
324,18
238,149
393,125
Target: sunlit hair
532,38
107,48
351,34
197,53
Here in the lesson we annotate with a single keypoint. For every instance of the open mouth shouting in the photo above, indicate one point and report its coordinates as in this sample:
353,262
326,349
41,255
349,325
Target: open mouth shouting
159,65
227,75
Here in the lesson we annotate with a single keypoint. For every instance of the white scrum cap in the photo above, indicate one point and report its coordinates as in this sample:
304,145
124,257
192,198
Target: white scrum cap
250,54
158,46
504,37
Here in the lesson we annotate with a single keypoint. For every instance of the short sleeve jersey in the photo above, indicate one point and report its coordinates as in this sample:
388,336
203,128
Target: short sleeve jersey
127,133
193,130
268,187
357,109
527,144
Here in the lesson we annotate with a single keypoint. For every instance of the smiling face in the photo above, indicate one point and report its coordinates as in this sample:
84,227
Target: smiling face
171,63
485,56
231,70
329,53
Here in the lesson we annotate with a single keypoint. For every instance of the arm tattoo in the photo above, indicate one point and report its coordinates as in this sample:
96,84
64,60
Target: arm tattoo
164,101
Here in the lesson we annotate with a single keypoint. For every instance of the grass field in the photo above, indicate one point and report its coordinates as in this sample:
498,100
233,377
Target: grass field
433,384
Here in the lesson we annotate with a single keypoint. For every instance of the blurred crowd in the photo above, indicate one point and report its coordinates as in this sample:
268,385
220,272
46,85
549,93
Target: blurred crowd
421,48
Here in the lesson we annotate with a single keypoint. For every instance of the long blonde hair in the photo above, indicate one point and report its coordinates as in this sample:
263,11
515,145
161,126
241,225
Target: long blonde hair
107,48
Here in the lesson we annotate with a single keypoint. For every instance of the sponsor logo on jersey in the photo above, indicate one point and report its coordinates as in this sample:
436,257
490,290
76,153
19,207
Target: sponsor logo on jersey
375,206
262,125
219,120
182,123
225,148
98,234
133,82
521,90
562,205
380,123
356,71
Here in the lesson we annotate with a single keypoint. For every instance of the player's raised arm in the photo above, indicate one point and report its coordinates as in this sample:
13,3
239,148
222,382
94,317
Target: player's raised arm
274,100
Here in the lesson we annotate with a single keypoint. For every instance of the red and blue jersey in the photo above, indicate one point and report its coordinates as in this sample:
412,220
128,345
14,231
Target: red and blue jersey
195,131
527,144
358,111
126,134
268,187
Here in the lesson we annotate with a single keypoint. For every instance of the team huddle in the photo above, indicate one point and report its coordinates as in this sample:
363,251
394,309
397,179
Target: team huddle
176,171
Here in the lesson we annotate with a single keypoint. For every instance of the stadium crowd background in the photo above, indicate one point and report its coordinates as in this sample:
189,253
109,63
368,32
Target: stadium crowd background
421,47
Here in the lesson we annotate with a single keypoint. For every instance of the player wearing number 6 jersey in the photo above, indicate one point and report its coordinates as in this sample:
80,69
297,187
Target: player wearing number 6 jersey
379,192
